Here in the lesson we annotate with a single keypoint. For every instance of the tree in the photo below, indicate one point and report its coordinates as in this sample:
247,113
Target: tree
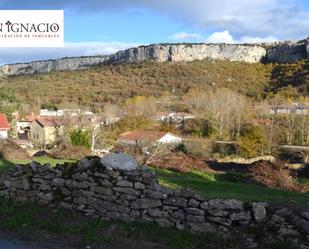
140,105
224,109
80,137
252,142
8,103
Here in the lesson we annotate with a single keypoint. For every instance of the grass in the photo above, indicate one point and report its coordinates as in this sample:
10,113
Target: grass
226,186
5,164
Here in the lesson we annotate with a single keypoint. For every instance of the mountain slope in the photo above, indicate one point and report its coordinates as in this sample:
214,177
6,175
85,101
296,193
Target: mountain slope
98,85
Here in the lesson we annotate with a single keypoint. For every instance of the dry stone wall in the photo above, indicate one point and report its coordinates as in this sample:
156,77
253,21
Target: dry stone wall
115,188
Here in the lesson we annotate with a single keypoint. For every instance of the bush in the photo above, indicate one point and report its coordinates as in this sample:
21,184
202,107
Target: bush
274,175
80,137
252,142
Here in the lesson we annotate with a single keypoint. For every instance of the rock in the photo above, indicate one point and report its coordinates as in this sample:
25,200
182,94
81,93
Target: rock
58,182
129,191
124,183
287,230
225,204
155,194
305,215
195,218
217,213
195,211
176,201
201,227
25,184
179,215
194,203
284,212
146,203
119,161
219,220
301,224
139,185
155,212
285,52
103,191
259,210
241,216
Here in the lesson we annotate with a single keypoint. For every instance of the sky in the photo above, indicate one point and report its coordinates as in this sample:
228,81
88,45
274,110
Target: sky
96,27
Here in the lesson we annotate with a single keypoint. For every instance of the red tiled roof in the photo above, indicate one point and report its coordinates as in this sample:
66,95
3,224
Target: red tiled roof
4,122
150,136
50,121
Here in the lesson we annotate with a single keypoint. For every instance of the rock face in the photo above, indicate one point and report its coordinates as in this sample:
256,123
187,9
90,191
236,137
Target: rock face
72,63
281,52
190,52
285,52
102,189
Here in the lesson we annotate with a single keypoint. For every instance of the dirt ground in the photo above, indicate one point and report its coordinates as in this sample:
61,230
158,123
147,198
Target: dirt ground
10,151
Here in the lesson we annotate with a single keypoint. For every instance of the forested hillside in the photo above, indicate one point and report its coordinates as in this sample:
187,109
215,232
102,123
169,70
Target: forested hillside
115,83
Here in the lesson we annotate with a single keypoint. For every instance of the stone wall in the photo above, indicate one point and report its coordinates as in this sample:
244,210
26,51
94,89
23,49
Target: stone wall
115,188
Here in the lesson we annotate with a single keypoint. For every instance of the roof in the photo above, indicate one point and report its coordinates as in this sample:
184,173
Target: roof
150,136
31,117
50,121
4,122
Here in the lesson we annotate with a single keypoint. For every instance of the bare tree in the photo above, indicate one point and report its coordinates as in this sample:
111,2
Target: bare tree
224,109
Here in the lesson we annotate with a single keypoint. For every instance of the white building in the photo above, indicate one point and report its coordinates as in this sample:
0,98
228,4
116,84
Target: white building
4,126
145,137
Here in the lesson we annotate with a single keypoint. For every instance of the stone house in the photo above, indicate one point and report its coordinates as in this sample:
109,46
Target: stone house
45,131
133,138
4,126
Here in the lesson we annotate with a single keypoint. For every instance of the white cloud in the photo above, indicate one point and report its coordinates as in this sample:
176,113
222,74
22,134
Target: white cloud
221,37
250,39
186,36
226,37
14,55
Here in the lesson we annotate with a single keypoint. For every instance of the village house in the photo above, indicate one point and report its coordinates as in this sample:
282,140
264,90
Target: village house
45,131
289,109
133,138
173,116
64,112
23,126
4,126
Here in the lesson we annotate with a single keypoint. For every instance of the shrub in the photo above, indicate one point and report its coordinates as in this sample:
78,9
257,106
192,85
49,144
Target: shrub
80,137
274,175
252,142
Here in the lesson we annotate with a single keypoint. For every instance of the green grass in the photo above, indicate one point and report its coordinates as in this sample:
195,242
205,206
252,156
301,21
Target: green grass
5,164
226,186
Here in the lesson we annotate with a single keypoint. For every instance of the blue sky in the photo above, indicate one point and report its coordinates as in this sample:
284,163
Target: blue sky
102,27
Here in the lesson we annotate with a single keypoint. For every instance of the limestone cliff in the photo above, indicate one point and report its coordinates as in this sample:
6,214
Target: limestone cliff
72,63
289,51
190,52
281,52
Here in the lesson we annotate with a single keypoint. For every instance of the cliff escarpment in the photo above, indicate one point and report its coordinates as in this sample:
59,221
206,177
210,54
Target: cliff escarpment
280,52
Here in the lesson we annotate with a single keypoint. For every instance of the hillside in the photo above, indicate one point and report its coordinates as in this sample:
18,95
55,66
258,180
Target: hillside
95,86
